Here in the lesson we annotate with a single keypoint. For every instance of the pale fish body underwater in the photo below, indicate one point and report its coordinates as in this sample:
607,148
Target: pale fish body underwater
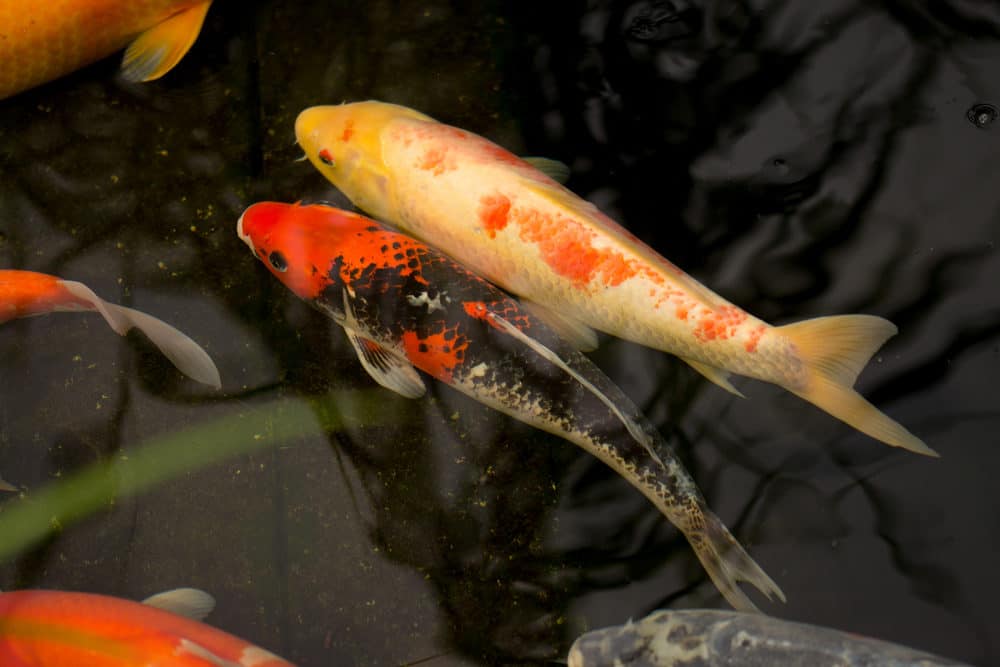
405,306
716,638
517,227
41,40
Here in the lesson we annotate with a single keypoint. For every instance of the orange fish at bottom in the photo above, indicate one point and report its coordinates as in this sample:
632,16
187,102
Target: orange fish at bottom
62,629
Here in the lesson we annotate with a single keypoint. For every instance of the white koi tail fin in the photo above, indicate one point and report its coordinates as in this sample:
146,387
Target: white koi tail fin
834,350
727,563
184,353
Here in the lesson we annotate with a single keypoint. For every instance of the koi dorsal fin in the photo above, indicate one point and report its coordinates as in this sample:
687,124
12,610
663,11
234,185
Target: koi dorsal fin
385,366
575,332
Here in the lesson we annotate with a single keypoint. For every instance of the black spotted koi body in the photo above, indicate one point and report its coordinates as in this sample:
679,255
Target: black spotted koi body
405,306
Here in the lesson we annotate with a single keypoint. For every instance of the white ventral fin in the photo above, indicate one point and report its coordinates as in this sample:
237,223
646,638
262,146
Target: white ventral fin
716,375
386,367
575,332
187,602
554,169
156,51
633,427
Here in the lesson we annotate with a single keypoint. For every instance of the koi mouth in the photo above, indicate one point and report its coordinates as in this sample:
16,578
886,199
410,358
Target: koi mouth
239,232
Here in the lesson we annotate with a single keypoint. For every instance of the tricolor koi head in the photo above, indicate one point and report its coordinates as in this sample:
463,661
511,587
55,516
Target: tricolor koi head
298,243
345,143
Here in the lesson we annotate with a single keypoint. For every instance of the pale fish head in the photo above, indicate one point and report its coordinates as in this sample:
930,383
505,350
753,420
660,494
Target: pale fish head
345,143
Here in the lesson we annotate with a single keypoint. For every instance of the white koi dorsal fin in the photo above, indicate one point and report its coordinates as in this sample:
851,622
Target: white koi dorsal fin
187,602
575,332
385,366
184,353
554,169
633,427
157,50
713,374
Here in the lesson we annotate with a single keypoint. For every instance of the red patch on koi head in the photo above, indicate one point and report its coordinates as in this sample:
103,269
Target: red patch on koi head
493,211
348,131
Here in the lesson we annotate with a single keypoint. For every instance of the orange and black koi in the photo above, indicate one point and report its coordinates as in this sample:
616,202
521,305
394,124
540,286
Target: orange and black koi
405,306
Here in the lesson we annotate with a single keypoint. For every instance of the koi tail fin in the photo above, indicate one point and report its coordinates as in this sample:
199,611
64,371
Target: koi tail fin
189,357
834,350
728,563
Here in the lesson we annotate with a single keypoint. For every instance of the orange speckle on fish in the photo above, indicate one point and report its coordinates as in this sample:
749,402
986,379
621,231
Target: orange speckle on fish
433,160
437,354
493,210
348,131
720,323
751,344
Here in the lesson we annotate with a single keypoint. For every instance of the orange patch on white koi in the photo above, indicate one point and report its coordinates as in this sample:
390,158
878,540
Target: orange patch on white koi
493,212
348,131
751,344
719,324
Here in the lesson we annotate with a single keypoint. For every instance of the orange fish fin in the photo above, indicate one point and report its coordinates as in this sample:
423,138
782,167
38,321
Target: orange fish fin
189,357
715,375
834,350
187,602
575,332
156,51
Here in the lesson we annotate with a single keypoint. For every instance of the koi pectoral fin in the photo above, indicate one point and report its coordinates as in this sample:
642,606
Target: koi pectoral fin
554,169
633,427
715,375
187,602
156,51
387,368
189,357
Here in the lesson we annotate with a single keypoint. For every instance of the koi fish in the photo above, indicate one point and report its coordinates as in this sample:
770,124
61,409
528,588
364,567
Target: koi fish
576,267
41,41
41,628
717,638
27,293
405,306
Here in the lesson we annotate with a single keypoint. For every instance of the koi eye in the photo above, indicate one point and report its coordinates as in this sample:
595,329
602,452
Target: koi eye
277,260
325,157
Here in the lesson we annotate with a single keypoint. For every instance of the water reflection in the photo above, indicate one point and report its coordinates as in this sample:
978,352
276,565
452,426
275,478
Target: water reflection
801,159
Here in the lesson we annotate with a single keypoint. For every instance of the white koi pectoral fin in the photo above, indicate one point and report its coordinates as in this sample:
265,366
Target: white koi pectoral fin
156,51
634,429
834,351
186,647
715,375
575,332
387,368
554,169
187,602
184,353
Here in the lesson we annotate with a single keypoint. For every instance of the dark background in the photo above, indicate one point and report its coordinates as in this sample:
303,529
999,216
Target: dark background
801,159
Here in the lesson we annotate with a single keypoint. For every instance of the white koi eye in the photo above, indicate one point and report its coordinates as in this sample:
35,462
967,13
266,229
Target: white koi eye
277,260
326,158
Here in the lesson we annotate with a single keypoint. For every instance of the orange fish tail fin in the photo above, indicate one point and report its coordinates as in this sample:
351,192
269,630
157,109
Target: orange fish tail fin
728,563
834,350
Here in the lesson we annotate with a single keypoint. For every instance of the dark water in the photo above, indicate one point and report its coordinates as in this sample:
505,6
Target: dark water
801,159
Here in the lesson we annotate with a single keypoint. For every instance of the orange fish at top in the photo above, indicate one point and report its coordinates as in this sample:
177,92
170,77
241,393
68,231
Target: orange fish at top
513,224
43,40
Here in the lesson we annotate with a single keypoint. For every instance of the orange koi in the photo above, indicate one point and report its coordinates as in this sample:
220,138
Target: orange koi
27,293
514,225
61,629
405,307
41,41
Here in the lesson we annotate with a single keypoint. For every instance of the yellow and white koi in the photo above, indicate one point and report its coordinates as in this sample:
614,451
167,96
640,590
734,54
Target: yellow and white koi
510,222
